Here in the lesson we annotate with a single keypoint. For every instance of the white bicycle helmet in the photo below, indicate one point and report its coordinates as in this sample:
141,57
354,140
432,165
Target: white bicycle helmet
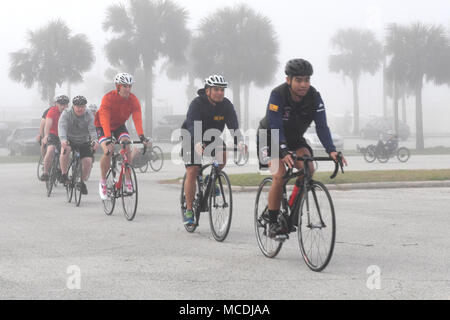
124,78
216,81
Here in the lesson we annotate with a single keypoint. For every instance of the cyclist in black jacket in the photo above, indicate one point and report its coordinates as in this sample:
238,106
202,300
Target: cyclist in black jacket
292,108
208,114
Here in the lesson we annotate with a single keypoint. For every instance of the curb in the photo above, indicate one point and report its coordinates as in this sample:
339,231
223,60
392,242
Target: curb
354,186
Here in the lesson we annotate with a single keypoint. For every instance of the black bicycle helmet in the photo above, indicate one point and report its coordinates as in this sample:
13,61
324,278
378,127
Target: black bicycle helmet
79,101
299,67
62,99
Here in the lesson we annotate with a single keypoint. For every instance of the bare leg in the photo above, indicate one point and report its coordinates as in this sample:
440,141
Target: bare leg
190,184
48,158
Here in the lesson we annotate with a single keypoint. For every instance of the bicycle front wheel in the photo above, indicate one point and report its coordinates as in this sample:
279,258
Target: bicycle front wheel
269,247
129,196
70,183
110,202
77,183
156,159
369,154
317,227
220,207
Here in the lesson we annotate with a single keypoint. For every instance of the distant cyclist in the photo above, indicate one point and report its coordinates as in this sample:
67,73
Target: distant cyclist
76,127
41,131
116,107
391,143
51,138
211,110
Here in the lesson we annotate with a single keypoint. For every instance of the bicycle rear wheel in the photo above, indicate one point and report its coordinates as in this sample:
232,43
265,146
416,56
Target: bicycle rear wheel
156,159
220,207
382,157
196,205
403,154
317,227
77,182
70,183
144,168
52,175
40,167
130,199
269,247
110,203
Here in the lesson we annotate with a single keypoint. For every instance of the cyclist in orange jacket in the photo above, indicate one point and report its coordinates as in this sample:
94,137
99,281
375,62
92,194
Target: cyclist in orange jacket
116,107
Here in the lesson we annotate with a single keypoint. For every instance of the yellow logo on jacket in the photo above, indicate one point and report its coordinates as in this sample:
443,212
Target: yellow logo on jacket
273,108
219,118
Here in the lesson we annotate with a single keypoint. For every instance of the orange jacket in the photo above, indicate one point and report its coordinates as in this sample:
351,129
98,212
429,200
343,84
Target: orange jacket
115,111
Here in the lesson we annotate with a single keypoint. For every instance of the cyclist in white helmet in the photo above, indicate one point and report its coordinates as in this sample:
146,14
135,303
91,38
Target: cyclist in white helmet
213,111
116,107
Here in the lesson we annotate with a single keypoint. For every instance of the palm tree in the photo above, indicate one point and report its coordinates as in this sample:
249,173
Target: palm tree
419,52
240,44
359,52
145,32
53,57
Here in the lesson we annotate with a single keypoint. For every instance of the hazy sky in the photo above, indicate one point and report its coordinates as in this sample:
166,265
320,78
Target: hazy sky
304,29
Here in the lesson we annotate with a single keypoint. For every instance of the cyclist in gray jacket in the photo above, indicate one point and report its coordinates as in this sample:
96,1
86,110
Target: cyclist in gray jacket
76,130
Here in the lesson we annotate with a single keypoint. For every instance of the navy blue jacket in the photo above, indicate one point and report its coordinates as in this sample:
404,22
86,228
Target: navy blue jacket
212,117
294,118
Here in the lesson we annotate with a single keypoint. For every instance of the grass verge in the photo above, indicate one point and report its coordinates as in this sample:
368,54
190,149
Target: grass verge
254,179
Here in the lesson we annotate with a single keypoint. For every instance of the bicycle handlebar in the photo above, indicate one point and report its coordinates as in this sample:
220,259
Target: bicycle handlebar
125,144
337,164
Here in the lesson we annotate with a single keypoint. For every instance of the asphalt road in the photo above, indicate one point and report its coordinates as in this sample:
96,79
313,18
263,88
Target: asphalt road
391,244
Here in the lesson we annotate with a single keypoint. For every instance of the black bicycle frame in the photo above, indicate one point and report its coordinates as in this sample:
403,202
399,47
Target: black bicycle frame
306,183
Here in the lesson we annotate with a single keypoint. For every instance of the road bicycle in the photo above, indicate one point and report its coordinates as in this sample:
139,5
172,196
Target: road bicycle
154,158
54,173
310,213
116,185
213,195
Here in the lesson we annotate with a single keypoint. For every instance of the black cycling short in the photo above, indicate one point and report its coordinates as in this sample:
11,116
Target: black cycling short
84,149
54,141
191,158
264,147
119,133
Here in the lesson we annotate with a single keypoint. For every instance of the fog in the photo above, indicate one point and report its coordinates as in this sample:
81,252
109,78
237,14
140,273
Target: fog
304,29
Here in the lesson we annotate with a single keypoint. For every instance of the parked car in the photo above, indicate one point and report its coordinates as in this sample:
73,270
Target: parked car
165,127
4,133
313,140
378,128
23,141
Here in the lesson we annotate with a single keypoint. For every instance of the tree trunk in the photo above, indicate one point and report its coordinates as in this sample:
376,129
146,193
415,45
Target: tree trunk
404,108
355,81
384,90
190,89
148,122
420,144
51,89
69,89
395,107
236,87
246,106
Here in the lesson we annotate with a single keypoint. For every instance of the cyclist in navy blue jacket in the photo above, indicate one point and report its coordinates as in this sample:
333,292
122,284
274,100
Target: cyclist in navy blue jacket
210,112
292,108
